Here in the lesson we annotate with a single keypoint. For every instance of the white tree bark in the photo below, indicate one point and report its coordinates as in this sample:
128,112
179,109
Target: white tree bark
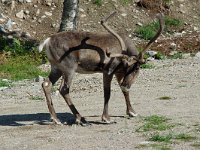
69,15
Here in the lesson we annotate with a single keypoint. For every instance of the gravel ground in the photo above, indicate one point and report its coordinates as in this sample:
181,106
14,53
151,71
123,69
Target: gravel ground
24,118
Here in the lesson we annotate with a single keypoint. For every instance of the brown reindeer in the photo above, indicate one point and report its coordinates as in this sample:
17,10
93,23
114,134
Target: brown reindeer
86,52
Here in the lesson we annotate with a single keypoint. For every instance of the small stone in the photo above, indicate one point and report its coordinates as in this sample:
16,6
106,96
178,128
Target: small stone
39,79
124,14
81,10
151,53
20,14
197,55
37,12
48,13
186,55
27,12
139,24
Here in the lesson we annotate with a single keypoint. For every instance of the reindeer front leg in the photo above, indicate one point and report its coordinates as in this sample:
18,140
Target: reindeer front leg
129,109
106,86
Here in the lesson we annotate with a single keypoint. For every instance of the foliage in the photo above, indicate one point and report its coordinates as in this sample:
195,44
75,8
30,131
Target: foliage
125,2
4,83
97,2
148,31
167,138
178,55
147,66
155,122
161,138
36,98
21,67
165,98
16,46
184,137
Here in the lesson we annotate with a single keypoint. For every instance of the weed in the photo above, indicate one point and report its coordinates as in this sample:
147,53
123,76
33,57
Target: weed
167,138
197,145
97,2
4,83
125,2
158,146
184,137
20,67
159,56
155,122
16,46
178,55
147,66
36,98
165,98
148,31
161,138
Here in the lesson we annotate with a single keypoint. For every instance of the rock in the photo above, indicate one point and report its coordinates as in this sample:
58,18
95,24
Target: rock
173,53
139,24
6,1
28,1
27,12
48,13
151,53
124,14
196,28
21,1
5,80
186,55
37,12
197,55
3,88
20,14
39,79
173,46
8,25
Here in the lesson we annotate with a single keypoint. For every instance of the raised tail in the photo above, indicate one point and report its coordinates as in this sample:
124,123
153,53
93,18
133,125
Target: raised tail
43,44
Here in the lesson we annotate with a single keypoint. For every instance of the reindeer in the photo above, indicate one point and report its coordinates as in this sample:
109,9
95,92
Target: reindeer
86,52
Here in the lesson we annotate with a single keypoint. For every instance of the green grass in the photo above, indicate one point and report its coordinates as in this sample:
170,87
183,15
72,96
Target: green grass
147,66
97,2
184,137
161,138
4,83
178,55
125,2
156,146
148,31
20,67
165,98
154,122
37,98
169,137
196,145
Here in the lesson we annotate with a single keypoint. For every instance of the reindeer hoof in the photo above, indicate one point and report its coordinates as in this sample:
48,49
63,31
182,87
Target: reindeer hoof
57,123
132,114
82,122
107,121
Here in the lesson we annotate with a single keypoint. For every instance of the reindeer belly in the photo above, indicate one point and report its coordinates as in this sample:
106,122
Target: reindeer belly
89,62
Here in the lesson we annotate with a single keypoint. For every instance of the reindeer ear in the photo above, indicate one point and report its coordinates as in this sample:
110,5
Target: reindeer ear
113,66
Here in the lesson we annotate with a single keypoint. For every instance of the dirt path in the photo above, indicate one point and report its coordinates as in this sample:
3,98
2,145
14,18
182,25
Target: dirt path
24,120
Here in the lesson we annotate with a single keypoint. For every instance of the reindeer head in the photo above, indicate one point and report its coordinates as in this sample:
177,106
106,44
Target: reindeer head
128,66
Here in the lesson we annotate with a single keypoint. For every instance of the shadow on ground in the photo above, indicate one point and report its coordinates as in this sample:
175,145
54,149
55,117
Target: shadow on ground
28,119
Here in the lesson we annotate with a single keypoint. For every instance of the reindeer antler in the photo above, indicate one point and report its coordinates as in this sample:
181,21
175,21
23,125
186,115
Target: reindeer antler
160,17
105,25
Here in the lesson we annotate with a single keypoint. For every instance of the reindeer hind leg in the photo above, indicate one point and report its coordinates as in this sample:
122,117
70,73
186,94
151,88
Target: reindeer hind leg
54,75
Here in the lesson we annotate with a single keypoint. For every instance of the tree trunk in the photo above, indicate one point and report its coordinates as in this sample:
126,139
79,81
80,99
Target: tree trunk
69,15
